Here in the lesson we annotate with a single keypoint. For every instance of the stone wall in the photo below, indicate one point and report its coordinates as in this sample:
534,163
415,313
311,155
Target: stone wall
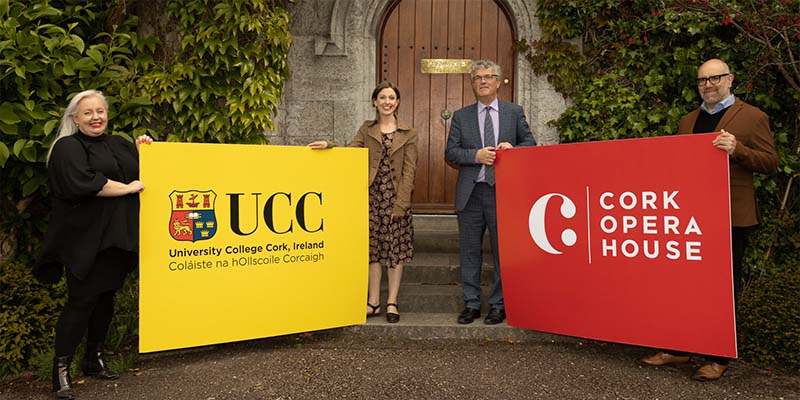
333,64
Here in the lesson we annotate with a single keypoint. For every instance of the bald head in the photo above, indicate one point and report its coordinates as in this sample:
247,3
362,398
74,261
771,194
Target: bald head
716,65
714,82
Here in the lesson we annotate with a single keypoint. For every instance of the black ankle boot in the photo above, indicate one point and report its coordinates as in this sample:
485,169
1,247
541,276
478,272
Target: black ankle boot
94,365
62,383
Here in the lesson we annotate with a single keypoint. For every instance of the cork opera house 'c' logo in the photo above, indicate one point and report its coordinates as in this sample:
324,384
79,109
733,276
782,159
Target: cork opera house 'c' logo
192,217
536,222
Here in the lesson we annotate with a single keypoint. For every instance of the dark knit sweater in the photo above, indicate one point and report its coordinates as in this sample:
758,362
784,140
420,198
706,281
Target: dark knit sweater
708,122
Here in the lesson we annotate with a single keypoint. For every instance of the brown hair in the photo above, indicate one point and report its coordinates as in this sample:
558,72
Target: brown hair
385,85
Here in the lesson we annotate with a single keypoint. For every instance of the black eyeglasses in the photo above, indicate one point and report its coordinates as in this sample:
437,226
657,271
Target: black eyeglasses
714,79
488,77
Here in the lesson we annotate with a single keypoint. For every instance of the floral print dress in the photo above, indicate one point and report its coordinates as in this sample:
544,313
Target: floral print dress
390,242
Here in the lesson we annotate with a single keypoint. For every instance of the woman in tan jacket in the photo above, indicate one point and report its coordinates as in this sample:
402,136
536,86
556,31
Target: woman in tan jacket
392,146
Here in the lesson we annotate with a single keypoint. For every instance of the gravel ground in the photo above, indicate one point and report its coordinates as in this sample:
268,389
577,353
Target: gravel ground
340,364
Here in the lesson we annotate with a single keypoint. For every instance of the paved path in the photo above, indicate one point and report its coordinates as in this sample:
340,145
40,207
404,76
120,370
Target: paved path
347,364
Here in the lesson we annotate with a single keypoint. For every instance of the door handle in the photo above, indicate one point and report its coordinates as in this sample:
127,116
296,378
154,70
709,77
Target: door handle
446,114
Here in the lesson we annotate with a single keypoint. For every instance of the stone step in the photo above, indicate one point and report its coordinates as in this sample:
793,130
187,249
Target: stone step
435,223
439,269
444,326
439,234
436,242
417,298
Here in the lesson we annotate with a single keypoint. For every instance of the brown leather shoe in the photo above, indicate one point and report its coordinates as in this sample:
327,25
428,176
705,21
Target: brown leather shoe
709,372
662,358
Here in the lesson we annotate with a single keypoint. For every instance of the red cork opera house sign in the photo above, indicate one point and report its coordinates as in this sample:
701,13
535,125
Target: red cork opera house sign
625,241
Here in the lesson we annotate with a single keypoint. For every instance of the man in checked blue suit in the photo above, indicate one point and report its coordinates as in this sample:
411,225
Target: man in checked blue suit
476,133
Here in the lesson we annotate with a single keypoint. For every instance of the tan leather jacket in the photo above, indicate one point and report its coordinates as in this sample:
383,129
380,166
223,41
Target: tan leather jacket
403,158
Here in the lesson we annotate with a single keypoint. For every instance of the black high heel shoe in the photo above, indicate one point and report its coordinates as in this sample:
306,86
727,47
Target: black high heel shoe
376,310
390,316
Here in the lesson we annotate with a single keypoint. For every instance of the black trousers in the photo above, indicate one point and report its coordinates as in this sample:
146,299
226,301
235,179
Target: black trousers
739,237
90,303
90,315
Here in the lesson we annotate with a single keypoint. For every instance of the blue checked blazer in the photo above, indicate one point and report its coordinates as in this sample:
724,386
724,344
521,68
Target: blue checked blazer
464,141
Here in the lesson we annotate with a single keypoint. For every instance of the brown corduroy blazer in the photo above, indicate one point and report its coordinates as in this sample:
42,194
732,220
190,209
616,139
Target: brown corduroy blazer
754,152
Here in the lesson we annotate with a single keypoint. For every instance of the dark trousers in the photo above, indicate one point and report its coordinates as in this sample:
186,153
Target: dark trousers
479,214
90,314
739,237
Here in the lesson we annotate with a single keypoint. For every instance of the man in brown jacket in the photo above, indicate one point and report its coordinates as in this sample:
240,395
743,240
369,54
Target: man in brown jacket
746,137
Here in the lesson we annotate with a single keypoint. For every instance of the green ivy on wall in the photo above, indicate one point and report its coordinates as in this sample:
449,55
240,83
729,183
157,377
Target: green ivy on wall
226,81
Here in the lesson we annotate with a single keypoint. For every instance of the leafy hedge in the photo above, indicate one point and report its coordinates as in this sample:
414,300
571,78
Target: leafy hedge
214,73
29,311
629,69
770,327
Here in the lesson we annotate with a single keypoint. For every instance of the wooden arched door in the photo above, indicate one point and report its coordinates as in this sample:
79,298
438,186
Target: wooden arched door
414,30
